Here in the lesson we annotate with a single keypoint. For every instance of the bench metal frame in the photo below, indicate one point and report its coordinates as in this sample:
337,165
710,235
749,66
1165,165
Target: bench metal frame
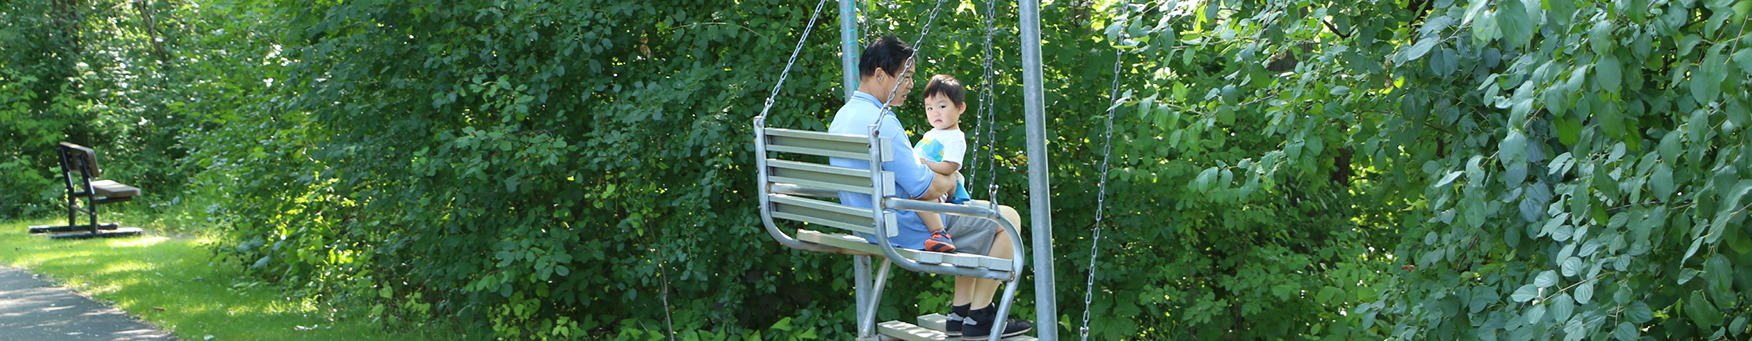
83,161
788,186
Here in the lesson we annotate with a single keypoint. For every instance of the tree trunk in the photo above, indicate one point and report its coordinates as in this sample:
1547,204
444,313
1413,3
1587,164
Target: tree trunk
67,17
144,7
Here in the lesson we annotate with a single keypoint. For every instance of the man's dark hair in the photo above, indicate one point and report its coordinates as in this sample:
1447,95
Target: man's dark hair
887,53
947,86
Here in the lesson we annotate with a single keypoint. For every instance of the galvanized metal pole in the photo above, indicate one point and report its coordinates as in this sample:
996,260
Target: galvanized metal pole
862,284
1039,185
848,11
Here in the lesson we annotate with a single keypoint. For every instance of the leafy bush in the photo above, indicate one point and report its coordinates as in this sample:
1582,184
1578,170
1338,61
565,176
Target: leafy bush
1550,169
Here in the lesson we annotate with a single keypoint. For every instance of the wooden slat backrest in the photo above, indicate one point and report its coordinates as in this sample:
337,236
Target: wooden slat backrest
84,159
820,175
815,175
828,214
821,144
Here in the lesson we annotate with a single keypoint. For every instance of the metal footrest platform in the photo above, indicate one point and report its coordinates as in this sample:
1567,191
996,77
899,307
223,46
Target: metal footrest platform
930,328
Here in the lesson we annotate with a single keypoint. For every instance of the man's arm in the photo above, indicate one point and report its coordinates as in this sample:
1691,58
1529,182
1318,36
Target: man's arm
916,181
941,185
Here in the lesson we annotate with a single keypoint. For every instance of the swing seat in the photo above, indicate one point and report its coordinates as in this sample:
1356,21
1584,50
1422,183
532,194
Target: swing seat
799,185
806,191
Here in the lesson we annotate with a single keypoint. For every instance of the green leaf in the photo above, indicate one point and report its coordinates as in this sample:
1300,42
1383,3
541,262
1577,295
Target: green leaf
1686,274
1562,233
1698,308
1639,312
1483,297
1574,330
1571,266
1327,293
1688,42
1719,273
1513,148
1662,182
1474,172
1444,62
1447,179
1600,37
1744,58
1590,247
1625,332
1475,211
1669,147
1738,240
1715,22
1340,90
1419,49
1555,224
1585,292
1473,8
1611,73
1562,308
1546,279
1517,26
1203,183
1569,130
1536,313
1695,243
1704,90
1525,293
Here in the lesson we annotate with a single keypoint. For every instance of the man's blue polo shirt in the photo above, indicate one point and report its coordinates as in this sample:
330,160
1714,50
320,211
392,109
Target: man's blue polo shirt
910,176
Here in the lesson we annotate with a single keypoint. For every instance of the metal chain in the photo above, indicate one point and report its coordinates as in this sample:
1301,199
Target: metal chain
799,49
983,115
1101,196
917,50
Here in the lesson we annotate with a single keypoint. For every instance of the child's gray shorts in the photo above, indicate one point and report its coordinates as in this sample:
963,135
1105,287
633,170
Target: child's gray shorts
971,235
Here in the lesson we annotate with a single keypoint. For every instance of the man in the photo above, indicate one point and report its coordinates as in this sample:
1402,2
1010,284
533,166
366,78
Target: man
884,84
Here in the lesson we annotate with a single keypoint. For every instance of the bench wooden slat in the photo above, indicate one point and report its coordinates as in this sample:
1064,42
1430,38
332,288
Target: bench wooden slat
112,189
822,144
827,214
825,177
859,244
89,157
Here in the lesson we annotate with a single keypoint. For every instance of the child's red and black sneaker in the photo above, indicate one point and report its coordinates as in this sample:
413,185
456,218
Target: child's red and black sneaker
940,242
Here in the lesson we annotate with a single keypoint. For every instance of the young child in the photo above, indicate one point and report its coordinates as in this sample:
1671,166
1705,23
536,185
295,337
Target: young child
942,149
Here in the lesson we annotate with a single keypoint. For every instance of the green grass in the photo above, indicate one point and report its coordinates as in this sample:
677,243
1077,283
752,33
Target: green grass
175,283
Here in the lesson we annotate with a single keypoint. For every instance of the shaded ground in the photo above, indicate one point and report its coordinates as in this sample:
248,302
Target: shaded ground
32,309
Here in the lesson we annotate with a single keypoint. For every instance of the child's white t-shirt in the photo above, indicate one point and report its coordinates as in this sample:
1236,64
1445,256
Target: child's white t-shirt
946,146
940,145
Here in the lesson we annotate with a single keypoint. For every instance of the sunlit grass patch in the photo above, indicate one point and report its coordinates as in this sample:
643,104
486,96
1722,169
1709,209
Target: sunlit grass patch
176,284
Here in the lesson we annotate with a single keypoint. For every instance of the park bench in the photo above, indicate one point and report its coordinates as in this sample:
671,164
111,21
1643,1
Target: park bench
85,194
801,186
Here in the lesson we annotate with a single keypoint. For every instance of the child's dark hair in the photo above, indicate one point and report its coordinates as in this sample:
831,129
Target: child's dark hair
947,86
887,53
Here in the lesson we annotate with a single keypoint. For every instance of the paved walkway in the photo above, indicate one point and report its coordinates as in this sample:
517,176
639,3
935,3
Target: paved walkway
32,310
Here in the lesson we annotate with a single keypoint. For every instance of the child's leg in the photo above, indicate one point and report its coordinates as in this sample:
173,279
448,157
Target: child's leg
932,221
939,240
